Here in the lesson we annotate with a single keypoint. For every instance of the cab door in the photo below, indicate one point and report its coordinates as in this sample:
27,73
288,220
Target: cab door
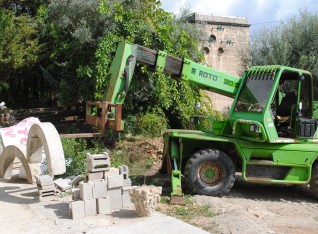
305,125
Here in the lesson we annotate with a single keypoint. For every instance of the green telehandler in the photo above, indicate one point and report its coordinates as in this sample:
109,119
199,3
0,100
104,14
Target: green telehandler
270,135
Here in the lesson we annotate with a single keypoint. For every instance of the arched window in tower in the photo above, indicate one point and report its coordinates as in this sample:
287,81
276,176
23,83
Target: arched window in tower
220,51
212,38
206,50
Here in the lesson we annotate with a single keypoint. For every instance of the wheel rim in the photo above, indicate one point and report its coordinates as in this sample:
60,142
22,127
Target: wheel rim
210,173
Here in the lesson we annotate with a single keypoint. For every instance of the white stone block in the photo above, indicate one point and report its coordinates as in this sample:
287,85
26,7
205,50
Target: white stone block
99,189
77,209
126,201
114,181
90,207
103,205
115,197
76,195
62,184
92,176
111,171
86,191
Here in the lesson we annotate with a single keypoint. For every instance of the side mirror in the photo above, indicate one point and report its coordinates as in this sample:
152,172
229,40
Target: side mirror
300,106
301,77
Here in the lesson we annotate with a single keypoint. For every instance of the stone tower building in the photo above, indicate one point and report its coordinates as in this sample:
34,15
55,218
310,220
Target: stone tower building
226,38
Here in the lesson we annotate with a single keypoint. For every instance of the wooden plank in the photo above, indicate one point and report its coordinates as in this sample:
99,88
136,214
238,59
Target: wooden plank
82,135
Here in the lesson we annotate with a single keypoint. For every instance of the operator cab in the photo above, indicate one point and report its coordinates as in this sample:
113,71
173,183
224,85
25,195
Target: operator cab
292,106
281,99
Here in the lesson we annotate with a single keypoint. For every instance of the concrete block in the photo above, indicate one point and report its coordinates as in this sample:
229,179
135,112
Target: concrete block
76,195
44,180
99,189
62,184
77,209
123,170
45,193
114,181
46,187
111,171
115,197
97,162
103,205
93,157
86,190
126,201
99,166
127,183
92,176
76,180
90,207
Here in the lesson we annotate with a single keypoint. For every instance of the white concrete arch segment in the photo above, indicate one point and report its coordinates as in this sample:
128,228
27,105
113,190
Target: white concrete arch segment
9,154
46,135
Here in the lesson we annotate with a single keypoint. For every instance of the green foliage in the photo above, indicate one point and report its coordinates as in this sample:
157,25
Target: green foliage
151,124
74,29
75,150
20,53
293,43
144,22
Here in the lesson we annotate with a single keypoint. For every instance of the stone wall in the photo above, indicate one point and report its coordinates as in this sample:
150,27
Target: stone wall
226,38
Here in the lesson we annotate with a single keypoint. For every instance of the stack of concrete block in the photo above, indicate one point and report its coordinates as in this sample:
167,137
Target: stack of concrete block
145,199
102,196
45,185
97,164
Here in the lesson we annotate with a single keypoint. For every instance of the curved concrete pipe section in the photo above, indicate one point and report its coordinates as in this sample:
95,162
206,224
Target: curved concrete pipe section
9,154
46,135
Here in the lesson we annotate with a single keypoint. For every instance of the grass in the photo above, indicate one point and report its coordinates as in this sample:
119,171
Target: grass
192,213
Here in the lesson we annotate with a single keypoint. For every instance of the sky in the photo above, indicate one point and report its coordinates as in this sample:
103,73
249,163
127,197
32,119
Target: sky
259,13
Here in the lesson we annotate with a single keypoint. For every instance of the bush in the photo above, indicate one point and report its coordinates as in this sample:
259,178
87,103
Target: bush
75,151
151,124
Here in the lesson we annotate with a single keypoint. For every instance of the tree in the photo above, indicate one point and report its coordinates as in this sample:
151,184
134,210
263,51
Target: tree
144,22
23,7
20,50
293,43
74,29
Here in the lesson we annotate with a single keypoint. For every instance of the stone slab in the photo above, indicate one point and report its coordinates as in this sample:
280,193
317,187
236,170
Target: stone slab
62,184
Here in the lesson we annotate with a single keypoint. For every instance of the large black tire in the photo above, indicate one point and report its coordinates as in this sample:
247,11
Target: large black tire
314,180
210,172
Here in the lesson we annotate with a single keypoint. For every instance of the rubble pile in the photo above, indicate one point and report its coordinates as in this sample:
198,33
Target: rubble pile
145,199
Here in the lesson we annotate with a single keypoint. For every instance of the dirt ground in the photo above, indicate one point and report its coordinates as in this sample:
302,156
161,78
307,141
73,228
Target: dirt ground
264,208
